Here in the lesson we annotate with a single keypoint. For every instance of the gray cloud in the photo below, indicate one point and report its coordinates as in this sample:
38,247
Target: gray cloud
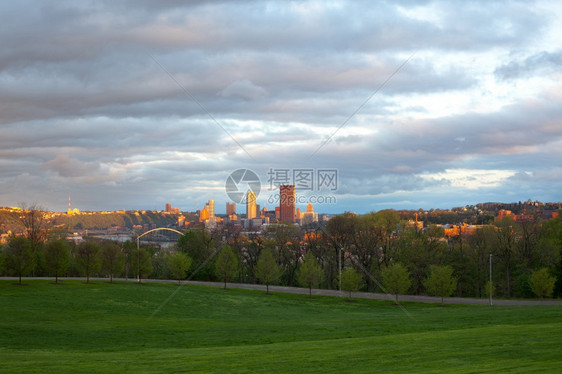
84,108
543,62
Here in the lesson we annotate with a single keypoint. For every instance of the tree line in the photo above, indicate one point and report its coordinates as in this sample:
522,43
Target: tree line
375,252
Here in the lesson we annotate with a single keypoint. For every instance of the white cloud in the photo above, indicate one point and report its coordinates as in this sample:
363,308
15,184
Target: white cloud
471,179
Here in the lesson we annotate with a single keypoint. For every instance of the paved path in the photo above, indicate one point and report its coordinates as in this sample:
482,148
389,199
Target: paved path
359,295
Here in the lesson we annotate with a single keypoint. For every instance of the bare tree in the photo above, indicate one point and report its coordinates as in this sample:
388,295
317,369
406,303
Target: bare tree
34,223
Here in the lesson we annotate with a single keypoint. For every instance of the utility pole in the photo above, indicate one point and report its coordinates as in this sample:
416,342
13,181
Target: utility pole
491,284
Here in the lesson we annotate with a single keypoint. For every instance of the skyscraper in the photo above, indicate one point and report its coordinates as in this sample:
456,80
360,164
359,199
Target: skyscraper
230,208
251,208
309,216
287,199
210,206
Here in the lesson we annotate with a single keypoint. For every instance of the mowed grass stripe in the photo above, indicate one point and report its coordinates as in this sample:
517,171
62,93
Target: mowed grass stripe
499,348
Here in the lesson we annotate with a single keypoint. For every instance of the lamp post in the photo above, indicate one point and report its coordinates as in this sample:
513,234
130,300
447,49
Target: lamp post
138,258
339,259
491,285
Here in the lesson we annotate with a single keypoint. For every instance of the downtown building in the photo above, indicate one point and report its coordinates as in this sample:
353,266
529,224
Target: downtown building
287,200
251,207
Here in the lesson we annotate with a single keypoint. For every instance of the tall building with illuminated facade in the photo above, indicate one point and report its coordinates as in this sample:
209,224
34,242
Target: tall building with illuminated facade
230,208
287,199
251,208
210,206
309,216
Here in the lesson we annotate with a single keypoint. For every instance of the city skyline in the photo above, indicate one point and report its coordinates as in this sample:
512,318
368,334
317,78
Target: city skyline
132,106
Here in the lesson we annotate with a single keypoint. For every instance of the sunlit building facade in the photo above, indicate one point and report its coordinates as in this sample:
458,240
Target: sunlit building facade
287,199
251,208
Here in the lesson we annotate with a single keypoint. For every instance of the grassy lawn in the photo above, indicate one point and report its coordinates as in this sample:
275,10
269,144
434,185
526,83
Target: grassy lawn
101,327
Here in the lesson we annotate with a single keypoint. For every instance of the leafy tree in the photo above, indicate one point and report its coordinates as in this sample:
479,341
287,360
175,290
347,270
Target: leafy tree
129,248
506,241
57,258
226,266
2,262
310,273
285,240
386,221
542,283
418,251
113,259
490,286
178,265
480,244
550,250
88,259
141,263
18,256
339,234
351,280
250,249
368,242
200,245
396,279
441,282
267,270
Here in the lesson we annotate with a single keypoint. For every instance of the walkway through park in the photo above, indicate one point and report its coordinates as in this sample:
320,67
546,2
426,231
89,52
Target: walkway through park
358,295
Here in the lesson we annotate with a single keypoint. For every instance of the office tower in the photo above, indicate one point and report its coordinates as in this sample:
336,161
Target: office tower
230,209
287,203
309,216
210,206
251,205
203,215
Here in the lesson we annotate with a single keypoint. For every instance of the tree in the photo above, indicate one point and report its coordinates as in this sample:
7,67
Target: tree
441,282
2,262
550,250
506,240
310,273
35,225
178,265
542,283
396,279
88,258
267,270
200,245
285,242
18,256
351,280
419,250
57,258
113,259
141,263
226,266
490,286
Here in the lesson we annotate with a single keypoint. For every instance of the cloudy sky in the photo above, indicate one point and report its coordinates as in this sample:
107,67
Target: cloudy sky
422,104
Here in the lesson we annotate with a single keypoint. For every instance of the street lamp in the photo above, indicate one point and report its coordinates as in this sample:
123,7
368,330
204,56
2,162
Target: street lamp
138,258
339,259
491,286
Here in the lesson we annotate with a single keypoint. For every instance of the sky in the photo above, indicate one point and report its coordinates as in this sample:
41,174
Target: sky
412,104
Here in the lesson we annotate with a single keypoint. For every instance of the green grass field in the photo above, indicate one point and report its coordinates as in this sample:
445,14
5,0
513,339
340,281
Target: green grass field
101,327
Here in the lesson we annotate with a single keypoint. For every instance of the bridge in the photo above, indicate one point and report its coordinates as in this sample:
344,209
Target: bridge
146,233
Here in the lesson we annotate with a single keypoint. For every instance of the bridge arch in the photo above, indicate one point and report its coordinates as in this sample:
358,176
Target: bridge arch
146,233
